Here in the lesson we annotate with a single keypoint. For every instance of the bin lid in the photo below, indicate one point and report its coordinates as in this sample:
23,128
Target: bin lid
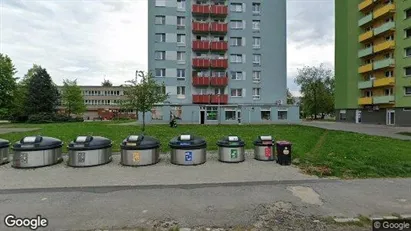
4,143
187,142
34,143
264,141
231,141
89,143
283,143
139,142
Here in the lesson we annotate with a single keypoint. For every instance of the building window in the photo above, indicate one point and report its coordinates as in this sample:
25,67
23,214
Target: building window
236,24
181,91
230,114
160,55
181,73
408,33
408,52
219,91
257,59
212,113
256,76
407,71
236,41
236,58
160,2
408,13
407,91
256,93
160,72
177,112
256,42
343,115
236,7
181,56
256,8
265,114
181,39
156,113
389,74
388,91
181,5
181,22
236,92
282,114
237,75
160,37
160,20
256,24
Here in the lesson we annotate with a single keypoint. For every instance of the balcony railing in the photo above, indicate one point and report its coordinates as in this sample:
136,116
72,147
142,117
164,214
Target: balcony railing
219,46
219,81
201,99
388,99
219,99
365,20
201,62
365,36
365,52
218,27
389,81
365,4
383,64
365,84
388,45
201,9
201,45
384,28
201,81
365,101
387,9
219,63
201,27
219,10
365,68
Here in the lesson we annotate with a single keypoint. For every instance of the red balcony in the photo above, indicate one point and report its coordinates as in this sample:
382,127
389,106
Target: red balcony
219,63
201,9
201,63
201,81
217,27
219,46
219,99
201,27
219,10
201,99
201,45
219,81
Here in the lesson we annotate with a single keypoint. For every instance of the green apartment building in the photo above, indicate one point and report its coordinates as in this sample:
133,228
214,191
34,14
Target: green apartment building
373,61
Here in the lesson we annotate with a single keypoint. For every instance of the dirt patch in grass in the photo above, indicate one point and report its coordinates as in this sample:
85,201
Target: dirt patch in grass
405,133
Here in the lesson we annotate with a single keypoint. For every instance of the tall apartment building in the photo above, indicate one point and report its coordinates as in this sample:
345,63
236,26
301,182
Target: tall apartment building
222,61
373,61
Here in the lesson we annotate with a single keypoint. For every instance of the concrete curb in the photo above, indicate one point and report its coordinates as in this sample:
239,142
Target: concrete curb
372,218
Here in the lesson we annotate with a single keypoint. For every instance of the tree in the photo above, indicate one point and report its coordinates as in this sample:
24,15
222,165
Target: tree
317,88
71,98
290,98
143,95
42,94
7,84
106,83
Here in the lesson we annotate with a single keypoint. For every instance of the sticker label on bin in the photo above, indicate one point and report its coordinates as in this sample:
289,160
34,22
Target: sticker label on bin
234,153
286,151
189,156
267,151
136,156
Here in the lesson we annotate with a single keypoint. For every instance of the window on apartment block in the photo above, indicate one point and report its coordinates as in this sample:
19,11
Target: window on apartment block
160,38
408,52
181,5
219,91
389,73
181,22
388,91
212,113
343,115
237,75
236,92
256,76
236,41
408,33
160,20
256,93
160,72
236,58
181,73
181,56
181,90
256,8
160,55
256,42
407,71
237,24
156,113
257,59
408,13
407,90
265,114
160,2
282,114
389,38
230,114
236,7
181,39
256,24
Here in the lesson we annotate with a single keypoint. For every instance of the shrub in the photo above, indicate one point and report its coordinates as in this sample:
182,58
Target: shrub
41,118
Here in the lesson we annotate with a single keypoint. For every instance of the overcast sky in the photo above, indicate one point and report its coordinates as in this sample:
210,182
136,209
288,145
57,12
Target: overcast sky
90,40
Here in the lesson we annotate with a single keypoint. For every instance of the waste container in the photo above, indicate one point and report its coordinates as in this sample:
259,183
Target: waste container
87,151
4,151
37,151
231,149
264,148
140,150
188,150
283,152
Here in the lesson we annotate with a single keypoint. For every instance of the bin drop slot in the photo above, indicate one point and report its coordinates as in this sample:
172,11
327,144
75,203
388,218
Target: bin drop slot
185,137
29,139
81,139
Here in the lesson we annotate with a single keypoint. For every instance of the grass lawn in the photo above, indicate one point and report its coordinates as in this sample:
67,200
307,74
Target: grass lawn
405,133
320,152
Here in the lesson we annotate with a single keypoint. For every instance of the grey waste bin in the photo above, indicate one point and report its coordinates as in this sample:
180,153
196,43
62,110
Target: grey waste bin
231,149
37,151
264,148
4,151
140,150
188,150
87,151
